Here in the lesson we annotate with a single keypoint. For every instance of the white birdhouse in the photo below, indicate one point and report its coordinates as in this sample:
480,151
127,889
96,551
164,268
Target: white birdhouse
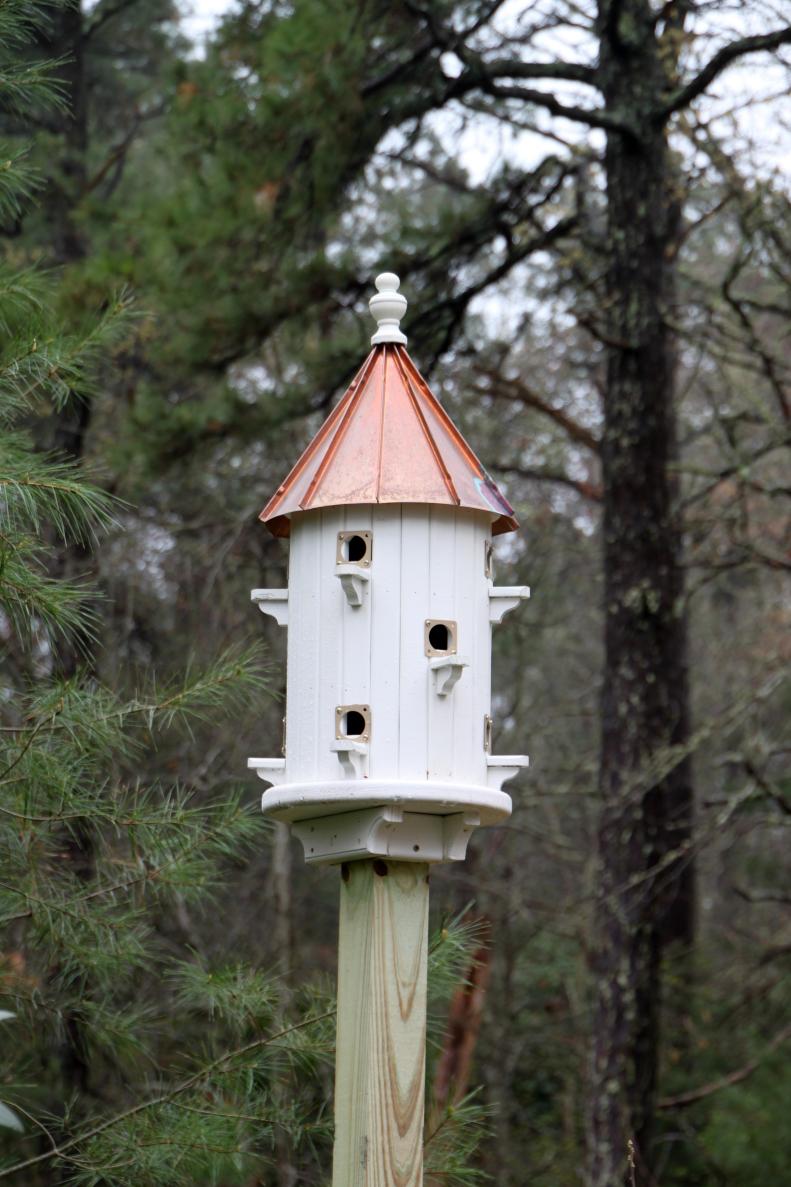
389,610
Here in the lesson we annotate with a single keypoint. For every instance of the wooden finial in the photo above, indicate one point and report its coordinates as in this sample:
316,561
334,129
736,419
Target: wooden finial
388,306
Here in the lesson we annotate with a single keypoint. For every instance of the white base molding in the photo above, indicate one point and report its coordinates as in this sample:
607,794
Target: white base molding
302,801
386,831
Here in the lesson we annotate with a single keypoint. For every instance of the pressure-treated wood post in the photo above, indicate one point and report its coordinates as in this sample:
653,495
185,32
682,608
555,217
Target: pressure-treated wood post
381,1036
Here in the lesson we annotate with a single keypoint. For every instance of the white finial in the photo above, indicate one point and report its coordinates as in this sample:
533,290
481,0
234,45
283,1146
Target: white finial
388,306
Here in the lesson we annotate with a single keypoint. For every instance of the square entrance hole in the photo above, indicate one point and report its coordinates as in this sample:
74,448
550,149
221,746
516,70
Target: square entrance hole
353,723
439,636
354,548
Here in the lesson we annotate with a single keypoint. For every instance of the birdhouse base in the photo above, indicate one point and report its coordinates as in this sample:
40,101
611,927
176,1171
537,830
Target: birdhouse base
430,822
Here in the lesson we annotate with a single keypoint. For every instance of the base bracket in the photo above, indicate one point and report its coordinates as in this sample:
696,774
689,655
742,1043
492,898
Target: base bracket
386,831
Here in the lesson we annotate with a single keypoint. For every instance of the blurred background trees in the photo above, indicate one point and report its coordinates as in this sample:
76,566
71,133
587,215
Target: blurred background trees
585,205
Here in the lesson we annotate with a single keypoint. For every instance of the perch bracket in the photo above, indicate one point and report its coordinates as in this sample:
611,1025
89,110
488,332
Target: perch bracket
502,767
352,756
273,602
504,598
271,770
446,672
353,581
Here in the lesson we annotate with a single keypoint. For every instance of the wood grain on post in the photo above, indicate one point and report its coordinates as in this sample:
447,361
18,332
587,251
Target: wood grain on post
381,1037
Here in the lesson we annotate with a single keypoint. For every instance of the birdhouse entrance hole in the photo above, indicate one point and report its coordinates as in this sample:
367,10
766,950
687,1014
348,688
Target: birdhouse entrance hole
440,636
353,721
354,548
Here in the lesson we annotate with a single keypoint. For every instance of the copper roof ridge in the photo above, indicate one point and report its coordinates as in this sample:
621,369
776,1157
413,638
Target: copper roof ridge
382,402
343,423
446,478
338,411
469,453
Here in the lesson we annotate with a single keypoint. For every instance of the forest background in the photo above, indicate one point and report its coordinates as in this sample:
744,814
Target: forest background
587,205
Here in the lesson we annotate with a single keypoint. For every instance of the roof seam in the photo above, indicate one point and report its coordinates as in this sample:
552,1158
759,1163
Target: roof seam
446,478
456,437
311,450
382,423
332,448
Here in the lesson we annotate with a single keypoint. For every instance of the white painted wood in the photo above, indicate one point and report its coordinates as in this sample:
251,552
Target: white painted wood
388,306
300,801
504,598
303,641
443,526
273,602
386,831
447,670
385,598
425,750
353,757
328,674
502,767
355,624
413,675
354,582
273,770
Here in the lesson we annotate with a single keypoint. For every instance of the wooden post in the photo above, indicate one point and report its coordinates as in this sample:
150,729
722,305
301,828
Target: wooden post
381,1037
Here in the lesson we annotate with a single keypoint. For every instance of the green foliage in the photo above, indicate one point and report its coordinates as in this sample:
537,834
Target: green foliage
28,87
248,196
42,367
451,1146
746,1138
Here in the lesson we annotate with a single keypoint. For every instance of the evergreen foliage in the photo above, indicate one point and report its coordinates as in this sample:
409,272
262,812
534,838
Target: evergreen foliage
249,195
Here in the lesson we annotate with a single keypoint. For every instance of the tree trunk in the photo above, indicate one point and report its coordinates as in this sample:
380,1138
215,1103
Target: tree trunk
645,893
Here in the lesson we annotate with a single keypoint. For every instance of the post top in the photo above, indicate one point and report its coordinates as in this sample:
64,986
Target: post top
387,307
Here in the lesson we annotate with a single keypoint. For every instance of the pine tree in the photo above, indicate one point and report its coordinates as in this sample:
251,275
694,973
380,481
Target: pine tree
85,951
109,1080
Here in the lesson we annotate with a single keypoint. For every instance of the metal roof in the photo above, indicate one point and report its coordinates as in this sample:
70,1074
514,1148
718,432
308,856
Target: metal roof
388,441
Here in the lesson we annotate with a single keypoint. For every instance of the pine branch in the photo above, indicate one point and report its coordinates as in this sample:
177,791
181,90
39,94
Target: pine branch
164,1098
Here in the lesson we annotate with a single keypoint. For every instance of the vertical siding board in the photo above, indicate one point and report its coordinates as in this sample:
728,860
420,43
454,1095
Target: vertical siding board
415,595
467,590
385,657
482,658
303,630
356,623
330,650
443,604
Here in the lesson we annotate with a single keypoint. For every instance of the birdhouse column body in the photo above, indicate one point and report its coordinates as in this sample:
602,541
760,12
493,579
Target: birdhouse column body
426,566
389,695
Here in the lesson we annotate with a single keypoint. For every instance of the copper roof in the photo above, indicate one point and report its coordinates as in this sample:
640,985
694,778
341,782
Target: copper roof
387,441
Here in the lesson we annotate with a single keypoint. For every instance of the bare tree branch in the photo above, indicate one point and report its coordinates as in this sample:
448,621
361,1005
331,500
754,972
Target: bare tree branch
736,1077
588,490
104,15
723,58
516,389
594,117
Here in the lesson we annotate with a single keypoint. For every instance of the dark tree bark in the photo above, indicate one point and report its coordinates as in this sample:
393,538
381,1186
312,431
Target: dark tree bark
646,887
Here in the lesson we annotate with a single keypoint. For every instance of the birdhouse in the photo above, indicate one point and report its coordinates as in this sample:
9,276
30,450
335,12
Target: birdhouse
389,611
